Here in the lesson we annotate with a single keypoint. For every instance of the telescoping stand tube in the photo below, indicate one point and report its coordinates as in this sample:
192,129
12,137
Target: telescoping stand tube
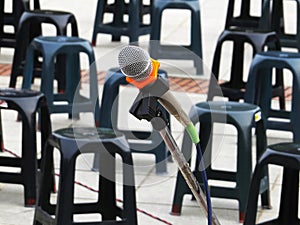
186,172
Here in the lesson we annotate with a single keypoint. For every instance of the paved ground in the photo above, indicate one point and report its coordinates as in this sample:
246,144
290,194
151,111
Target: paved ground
154,191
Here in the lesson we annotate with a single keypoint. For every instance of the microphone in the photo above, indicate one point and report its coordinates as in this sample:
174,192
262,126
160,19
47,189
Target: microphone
142,71
136,64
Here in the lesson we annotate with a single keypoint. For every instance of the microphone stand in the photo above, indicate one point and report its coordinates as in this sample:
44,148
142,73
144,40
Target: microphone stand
146,107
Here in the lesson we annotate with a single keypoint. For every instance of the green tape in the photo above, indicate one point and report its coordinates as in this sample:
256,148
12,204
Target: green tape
191,129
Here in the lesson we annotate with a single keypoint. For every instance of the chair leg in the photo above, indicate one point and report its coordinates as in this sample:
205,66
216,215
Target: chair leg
288,213
181,189
98,19
2,149
64,211
46,179
29,157
244,169
251,210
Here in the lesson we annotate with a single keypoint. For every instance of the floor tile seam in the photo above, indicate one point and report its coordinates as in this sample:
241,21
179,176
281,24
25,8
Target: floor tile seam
138,186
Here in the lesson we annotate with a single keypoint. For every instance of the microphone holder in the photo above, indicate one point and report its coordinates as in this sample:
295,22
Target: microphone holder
146,106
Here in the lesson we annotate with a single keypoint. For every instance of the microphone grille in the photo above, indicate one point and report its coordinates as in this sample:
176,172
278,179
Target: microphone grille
135,62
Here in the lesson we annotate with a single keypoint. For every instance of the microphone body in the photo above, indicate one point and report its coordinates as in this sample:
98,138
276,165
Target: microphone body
142,71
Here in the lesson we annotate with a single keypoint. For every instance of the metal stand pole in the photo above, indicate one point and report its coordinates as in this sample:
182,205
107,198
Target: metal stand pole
186,172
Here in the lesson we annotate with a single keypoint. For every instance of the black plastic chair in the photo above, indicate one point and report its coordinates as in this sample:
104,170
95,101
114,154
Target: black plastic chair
72,142
290,40
27,103
151,141
72,101
133,28
234,87
286,155
11,19
243,117
30,26
193,51
244,20
259,89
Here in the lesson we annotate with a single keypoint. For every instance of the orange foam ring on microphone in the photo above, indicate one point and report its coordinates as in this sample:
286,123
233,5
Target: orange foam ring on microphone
151,78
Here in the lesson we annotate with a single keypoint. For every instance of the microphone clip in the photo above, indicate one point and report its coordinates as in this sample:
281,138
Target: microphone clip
146,105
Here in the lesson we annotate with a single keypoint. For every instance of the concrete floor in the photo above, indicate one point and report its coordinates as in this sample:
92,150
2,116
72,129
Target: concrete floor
154,191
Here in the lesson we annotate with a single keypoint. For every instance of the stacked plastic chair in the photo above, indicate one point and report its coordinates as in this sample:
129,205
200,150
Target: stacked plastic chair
30,26
72,101
133,28
259,91
191,51
240,30
146,142
71,143
287,156
279,20
12,18
28,104
243,117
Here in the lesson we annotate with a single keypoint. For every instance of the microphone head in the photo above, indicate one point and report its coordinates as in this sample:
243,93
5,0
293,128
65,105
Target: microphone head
135,62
